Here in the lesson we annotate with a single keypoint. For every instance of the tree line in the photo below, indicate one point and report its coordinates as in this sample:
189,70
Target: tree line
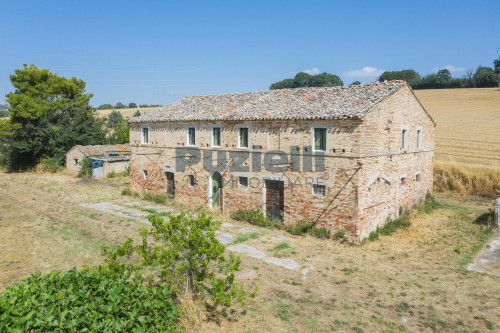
482,77
130,105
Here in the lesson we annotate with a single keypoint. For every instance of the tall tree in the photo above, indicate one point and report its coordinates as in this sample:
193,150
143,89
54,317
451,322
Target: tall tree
302,79
496,65
114,118
49,114
408,75
485,77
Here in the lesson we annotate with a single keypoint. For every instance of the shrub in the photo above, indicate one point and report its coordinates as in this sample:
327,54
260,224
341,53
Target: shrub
184,253
86,300
402,222
487,219
112,174
255,216
127,191
309,228
157,198
85,168
50,164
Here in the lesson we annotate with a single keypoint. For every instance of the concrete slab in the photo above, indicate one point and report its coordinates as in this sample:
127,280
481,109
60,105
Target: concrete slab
488,260
285,263
225,239
227,225
247,230
248,250
118,210
281,238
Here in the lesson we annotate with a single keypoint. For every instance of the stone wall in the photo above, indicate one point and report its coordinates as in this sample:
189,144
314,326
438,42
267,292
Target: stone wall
73,159
362,176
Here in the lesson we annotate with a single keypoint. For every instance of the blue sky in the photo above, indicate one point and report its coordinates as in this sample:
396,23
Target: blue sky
159,51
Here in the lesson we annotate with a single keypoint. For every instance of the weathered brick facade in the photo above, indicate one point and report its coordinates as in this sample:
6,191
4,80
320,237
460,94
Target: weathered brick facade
367,174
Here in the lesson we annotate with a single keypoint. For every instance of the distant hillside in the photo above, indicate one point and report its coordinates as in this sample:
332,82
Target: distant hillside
3,110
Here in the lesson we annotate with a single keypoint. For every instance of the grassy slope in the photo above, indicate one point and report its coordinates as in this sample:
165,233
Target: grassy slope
413,280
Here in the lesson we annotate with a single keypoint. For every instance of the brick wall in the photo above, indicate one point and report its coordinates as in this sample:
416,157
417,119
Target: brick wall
363,165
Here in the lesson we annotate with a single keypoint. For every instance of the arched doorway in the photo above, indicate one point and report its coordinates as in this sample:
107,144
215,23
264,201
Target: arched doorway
217,194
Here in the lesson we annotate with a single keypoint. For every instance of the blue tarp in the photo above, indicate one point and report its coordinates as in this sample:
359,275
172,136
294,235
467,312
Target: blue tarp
96,164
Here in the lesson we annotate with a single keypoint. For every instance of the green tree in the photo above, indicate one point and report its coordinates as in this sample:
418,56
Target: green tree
496,65
485,77
355,83
105,107
302,79
185,253
114,118
49,115
120,105
408,75
137,113
132,105
121,133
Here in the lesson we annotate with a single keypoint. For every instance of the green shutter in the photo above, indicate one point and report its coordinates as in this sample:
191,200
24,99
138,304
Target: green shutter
244,137
192,140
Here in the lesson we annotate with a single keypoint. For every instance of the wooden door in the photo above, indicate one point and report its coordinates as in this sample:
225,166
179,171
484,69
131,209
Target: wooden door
170,184
275,199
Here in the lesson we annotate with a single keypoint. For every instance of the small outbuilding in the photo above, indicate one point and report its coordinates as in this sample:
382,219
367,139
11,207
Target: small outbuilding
106,158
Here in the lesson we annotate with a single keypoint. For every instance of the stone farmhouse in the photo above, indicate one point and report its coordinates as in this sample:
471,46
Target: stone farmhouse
113,158
345,158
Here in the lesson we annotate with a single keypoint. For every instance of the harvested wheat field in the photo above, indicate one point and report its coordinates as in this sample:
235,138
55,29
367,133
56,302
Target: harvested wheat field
413,280
126,113
468,123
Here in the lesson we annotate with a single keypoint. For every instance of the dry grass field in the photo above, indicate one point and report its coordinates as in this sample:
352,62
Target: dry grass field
468,125
126,113
413,280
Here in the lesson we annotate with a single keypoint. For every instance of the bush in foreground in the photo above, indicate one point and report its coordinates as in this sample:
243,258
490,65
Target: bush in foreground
184,253
87,300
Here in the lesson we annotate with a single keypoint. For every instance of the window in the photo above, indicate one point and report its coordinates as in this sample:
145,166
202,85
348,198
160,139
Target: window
192,180
419,138
216,139
243,181
418,177
145,174
145,135
319,189
403,181
76,161
191,136
243,137
404,139
319,139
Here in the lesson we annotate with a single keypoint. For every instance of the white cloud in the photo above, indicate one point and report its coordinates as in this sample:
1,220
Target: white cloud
366,71
312,71
451,68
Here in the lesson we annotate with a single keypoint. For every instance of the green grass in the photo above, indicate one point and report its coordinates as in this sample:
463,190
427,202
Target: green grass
308,228
245,237
281,246
156,198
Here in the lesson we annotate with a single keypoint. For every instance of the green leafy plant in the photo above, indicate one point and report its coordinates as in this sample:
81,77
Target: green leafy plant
309,228
184,253
85,168
89,300
255,216
50,164
157,198
112,174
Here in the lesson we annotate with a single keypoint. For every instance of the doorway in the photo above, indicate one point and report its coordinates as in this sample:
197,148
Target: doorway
275,199
170,184
217,193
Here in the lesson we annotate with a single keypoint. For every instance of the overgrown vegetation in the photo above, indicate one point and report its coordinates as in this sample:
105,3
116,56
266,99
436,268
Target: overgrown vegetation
88,300
184,253
50,164
467,180
309,228
85,168
404,220
302,79
255,216
155,197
